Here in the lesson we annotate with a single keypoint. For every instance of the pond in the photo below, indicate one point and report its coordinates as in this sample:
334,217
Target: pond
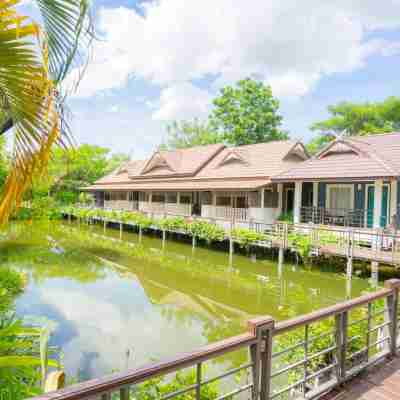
116,304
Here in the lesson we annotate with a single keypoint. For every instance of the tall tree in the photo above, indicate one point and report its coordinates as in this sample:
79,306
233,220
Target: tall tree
71,169
352,119
185,134
34,59
247,113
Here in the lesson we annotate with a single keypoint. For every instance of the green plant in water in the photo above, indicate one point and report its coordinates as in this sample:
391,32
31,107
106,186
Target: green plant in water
206,231
246,237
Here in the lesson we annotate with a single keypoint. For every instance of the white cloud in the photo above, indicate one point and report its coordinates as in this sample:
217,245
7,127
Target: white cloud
181,101
290,44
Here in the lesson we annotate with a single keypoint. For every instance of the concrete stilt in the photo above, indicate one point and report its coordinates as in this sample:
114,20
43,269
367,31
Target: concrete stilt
349,267
193,242
348,288
231,250
140,234
281,255
163,239
120,230
69,217
374,273
104,226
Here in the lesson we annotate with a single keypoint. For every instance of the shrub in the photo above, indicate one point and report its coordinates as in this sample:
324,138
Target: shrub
246,237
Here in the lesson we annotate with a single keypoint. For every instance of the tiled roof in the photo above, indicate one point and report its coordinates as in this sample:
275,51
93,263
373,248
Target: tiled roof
185,185
373,156
263,159
206,167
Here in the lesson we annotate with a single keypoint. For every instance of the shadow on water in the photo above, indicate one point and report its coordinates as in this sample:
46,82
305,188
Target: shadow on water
123,303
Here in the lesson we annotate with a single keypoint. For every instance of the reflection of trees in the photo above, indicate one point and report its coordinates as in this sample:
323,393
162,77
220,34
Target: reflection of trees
44,251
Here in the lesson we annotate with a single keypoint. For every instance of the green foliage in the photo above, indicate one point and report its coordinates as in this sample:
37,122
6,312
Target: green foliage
71,169
206,231
40,208
173,224
353,119
186,134
21,369
286,217
247,113
155,389
301,242
246,237
11,284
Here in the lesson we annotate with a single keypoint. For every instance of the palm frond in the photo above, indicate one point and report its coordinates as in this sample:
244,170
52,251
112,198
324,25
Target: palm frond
66,23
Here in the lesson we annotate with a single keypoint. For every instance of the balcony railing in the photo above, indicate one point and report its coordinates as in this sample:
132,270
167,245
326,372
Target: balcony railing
357,218
121,204
166,208
299,358
226,213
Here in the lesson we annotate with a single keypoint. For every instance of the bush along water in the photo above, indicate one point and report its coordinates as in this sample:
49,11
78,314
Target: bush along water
24,351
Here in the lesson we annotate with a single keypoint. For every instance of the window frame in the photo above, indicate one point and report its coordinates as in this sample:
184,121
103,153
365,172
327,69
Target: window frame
339,186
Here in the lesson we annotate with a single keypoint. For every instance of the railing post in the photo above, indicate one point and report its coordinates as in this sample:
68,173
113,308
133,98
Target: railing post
392,303
261,355
341,344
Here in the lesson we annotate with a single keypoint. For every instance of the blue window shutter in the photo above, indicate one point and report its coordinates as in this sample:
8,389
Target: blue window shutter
359,196
321,194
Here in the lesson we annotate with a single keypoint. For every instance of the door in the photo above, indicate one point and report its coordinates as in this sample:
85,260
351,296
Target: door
289,200
385,206
370,205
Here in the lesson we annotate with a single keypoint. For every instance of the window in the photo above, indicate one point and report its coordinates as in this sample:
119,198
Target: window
185,198
340,197
107,196
270,199
144,196
224,201
133,196
158,198
172,198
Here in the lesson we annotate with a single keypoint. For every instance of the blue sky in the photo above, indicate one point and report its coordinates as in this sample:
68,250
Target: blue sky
157,61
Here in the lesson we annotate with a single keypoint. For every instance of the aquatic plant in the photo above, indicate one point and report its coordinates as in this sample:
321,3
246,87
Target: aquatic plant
246,237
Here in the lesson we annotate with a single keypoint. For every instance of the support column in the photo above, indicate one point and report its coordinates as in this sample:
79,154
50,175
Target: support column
378,203
262,198
297,201
178,197
280,198
315,194
374,273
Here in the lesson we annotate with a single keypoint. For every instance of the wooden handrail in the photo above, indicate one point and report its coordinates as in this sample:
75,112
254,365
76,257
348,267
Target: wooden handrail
112,382
285,326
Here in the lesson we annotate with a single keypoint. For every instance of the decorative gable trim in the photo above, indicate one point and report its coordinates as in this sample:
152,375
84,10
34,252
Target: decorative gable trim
298,150
232,156
340,146
156,161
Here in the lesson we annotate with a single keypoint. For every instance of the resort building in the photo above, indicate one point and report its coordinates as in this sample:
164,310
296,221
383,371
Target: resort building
212,181
351,182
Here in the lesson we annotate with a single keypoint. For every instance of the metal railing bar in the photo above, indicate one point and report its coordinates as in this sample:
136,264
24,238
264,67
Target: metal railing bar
291,348
226,374
287,388
331,311
180,391
375,328
235,392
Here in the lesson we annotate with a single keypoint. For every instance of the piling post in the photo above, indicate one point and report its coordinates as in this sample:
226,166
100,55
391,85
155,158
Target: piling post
349,268
104,226
120,231
140,233
193,242
231,244
374,273
163,238
69,218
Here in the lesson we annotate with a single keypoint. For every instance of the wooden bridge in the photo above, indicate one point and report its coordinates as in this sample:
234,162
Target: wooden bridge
313,356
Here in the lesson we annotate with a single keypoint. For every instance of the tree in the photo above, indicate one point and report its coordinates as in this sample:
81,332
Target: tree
71,169
185,134
34,59
247,113
352,119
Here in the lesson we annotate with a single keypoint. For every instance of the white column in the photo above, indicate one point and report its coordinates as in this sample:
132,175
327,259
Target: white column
297,201
262,198
378,203
280,198
393,200
315,194
178,197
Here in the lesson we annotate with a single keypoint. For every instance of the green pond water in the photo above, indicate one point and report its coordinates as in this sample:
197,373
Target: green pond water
114,305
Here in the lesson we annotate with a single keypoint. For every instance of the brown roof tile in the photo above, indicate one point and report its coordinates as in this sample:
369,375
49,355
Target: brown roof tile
363,157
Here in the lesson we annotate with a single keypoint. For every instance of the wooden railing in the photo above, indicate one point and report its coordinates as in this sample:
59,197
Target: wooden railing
226,213
305,356
166,208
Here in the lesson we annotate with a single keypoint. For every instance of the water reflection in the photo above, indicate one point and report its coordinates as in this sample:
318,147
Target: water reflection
119,305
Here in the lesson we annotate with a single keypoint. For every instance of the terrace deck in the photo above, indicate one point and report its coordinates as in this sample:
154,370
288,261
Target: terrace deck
379,383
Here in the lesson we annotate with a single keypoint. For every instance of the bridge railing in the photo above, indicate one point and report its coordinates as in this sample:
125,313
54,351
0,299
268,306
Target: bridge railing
302,357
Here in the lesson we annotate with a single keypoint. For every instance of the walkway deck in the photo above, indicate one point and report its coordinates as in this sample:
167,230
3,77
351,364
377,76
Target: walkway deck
380,383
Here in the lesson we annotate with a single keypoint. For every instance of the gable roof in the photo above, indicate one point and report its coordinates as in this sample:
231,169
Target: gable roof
177,163
206,167
256,160
364,157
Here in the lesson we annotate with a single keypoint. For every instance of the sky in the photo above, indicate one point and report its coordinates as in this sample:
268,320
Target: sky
158,61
